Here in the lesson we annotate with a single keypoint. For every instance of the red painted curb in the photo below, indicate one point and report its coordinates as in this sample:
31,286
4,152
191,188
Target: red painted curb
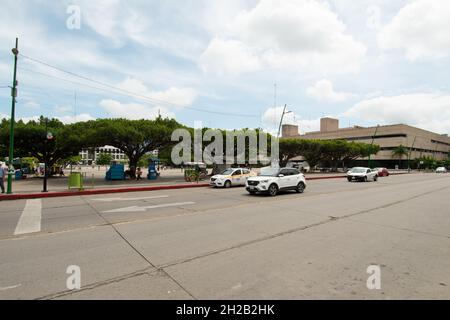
98,191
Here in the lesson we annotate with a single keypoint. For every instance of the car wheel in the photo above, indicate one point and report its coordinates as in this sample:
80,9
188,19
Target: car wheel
375,178
349,179
300,187
227,184
273,190
365,179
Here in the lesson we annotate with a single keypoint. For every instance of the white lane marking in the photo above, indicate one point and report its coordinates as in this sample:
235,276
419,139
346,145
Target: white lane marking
129,199
10,287
30,220
140,209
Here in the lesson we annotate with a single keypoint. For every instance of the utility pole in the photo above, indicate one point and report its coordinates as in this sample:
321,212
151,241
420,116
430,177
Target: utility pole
44,189
373,140
15,51
48,136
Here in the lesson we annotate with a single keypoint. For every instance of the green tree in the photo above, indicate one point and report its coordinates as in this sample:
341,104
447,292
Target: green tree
29,140
134,137
332,152
104,159
399,152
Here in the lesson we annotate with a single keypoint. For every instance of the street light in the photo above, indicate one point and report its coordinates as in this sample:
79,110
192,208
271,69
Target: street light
48,136
15,52
281,120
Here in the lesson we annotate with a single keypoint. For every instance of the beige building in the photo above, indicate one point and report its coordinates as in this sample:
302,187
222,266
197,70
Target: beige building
421,142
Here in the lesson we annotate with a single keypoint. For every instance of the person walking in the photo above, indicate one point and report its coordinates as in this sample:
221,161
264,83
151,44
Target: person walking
138,174
3,175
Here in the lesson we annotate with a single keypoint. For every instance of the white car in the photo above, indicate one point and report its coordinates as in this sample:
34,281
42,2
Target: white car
362,174
274,180
231,177
441,170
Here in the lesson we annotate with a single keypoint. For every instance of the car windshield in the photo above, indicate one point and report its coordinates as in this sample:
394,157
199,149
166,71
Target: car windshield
227,172
269,172
358,170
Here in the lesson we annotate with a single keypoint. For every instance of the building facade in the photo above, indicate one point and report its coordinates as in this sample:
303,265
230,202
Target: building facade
421,143
89,156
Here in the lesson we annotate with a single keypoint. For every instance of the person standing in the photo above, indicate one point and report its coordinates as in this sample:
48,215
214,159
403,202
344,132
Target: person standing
3,175
138,174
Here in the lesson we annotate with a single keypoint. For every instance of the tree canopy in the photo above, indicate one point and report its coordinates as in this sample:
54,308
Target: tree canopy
330,151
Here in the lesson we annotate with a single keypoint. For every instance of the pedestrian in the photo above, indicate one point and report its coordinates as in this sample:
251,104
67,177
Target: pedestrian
3,174
138,174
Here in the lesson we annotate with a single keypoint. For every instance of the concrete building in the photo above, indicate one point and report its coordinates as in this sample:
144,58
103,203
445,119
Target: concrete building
421,142
89,156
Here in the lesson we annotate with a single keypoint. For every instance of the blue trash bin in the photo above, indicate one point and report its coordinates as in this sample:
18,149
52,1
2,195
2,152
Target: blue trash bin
19,175
152,175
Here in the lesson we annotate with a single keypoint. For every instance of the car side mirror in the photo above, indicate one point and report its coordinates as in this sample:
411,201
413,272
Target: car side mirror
281,175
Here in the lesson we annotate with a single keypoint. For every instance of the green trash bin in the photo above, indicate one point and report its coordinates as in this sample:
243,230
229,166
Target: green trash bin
76,181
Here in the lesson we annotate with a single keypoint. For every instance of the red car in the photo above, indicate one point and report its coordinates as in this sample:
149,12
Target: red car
383,172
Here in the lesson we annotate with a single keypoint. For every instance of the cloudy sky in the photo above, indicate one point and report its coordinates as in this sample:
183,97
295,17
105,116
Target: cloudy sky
366,62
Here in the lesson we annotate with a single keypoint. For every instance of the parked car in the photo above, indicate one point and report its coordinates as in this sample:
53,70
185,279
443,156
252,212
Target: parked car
362,174
441,170
382,172
231,177
274,180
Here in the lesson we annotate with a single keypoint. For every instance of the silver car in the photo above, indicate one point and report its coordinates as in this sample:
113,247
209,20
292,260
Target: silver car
362,174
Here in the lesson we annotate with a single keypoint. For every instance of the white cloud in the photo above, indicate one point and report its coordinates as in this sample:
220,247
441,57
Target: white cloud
290,35
133,111
420,29
32,105
323,91
430,111
228,57
83,117
64,109
174,96
272,116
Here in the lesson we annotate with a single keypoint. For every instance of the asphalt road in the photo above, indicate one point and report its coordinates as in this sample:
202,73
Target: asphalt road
209,243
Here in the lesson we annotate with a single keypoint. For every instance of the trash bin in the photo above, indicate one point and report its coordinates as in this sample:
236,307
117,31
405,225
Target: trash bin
76,180
152,172
18,175
152,175
116,172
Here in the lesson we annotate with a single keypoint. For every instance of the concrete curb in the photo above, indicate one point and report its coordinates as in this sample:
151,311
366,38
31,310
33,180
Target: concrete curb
57,194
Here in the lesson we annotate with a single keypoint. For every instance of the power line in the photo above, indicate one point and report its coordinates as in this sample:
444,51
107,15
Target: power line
154,101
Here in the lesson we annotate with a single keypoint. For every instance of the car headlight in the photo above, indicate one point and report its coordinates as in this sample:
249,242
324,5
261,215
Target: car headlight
264,181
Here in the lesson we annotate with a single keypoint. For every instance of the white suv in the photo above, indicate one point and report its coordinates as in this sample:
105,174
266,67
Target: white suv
273,180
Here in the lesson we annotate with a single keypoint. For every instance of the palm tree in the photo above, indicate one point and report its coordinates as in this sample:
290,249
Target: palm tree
399,152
